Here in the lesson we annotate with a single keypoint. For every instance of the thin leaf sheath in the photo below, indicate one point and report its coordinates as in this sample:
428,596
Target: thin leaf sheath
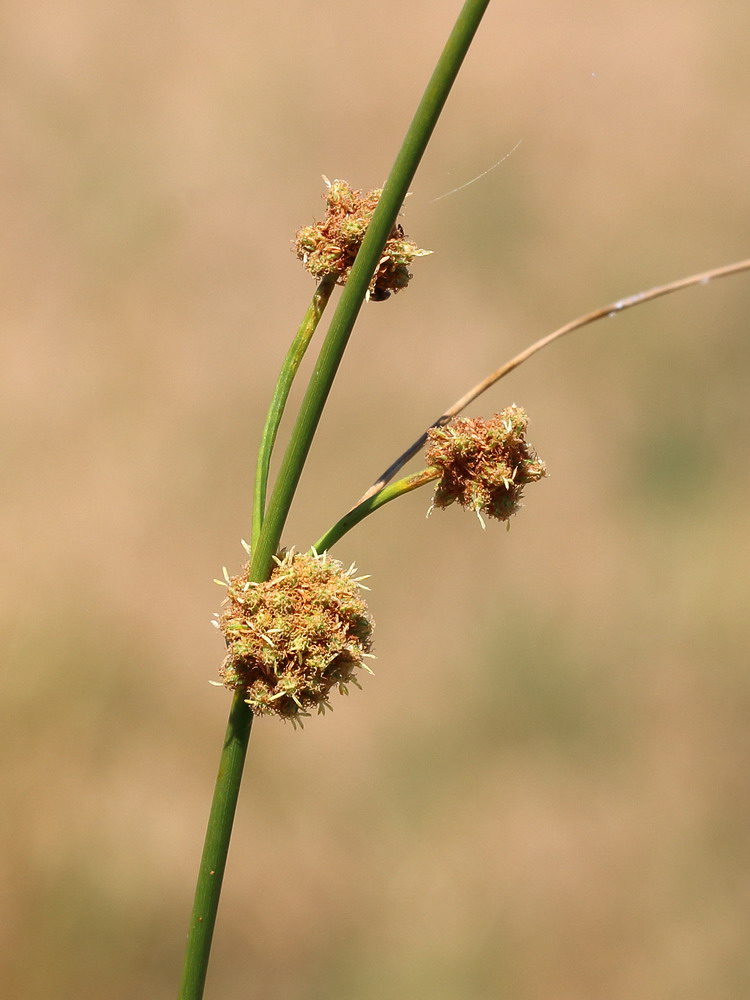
287,374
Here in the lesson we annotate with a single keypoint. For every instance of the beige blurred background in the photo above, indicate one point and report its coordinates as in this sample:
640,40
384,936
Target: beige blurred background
544,791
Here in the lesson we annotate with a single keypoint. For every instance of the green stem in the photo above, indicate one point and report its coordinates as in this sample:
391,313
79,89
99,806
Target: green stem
366,507
215,849
391,200
281,393
227,786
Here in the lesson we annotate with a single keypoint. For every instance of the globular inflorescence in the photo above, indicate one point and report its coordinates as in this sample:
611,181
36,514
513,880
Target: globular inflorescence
295,637
484,464
329,247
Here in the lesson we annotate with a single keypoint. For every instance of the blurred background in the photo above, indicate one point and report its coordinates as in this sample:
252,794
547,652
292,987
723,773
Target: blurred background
544,792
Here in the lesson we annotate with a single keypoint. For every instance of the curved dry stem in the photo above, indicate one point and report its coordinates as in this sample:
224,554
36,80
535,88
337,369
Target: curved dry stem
609,310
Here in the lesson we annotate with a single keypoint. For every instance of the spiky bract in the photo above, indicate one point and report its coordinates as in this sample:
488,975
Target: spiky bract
330,246
484,464
296,636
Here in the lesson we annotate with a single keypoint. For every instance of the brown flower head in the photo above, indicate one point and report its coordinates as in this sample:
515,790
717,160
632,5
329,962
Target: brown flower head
484,464
330,246
295,637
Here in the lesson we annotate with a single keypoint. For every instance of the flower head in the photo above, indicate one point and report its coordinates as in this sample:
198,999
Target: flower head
329,247
295,637
484,464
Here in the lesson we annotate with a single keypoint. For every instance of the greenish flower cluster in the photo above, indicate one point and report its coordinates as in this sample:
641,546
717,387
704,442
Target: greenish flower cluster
296,636
330,247
484,464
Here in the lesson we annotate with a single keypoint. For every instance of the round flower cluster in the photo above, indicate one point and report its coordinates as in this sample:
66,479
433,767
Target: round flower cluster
295,637
484,464
329,247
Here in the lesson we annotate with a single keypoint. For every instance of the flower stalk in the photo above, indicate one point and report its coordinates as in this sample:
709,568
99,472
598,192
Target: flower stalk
373,503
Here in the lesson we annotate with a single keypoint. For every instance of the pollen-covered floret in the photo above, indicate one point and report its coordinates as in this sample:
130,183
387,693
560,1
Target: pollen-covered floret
329,247
484,464
295,637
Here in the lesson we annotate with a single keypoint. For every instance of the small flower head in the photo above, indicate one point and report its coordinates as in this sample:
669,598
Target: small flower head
295,637
484,464
329,247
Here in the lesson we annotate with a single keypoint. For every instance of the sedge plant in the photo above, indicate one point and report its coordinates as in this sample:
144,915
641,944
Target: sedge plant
270,517
295,623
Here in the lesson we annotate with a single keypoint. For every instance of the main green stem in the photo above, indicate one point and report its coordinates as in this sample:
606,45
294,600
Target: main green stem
226,791
215,849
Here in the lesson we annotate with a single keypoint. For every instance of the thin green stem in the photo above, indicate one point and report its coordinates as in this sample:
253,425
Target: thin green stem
362,510
391,200
215,849
288,371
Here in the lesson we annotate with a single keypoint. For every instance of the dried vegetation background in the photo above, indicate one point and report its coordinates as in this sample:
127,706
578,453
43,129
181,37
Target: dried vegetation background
544,791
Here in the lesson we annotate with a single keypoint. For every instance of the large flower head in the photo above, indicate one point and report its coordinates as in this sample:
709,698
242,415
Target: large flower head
330,246
295,637
484,464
